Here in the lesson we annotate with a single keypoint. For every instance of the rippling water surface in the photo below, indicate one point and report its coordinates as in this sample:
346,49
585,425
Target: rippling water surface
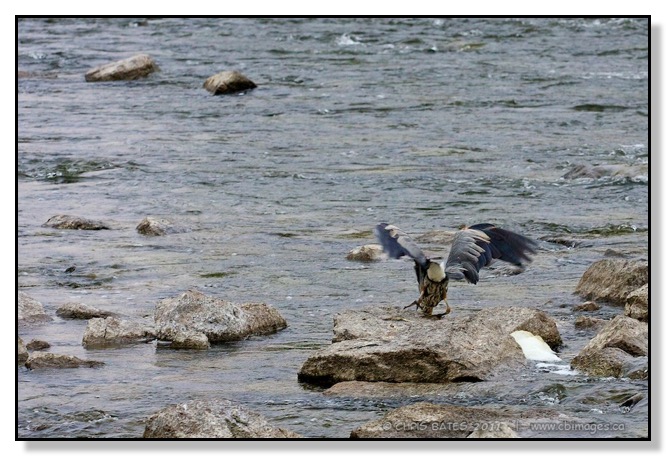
426,123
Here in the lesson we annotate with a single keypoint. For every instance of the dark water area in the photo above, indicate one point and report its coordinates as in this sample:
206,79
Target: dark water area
426,123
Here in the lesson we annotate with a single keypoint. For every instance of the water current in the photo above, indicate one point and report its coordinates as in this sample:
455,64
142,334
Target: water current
428,123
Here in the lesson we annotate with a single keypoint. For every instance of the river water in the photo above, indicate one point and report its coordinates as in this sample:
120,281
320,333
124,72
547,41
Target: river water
426,123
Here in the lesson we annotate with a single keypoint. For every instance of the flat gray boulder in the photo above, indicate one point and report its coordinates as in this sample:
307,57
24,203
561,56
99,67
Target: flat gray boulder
36,344
227,82
111,331
365,253
388,344
613,279
30,310
138,66
619,350
212,419
73,222
78,311
194,314
44,360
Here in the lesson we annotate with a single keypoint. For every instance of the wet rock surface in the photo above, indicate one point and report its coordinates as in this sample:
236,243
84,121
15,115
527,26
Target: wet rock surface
183,317
427,420
111,331
151,226
30,310
588,306
22,351
138,66
72,222
393,345
78,311
35,344
619,350
585,322
190,340
613,279
599,171
227,82
365,253
637,305
213,419
44,360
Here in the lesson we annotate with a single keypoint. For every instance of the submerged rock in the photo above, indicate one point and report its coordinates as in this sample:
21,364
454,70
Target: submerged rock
585,322
599,171
111,331
613,279
151,226
393,345
30,310
72,222
228,82
212,419
366,253
35,344
22,352
78,311
637,303
138,66
495,390
587,306
42,360
192,314
619,350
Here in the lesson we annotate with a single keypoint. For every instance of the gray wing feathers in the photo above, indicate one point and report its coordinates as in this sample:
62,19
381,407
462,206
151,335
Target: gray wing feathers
477,246
466,250
397,244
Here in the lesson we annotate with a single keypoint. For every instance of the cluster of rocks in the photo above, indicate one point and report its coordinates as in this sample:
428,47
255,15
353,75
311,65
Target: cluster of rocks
620,349
143,65
149,226
396,351
388,351
192,320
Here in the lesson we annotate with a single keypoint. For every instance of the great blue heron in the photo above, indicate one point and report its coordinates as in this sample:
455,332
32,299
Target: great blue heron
472,248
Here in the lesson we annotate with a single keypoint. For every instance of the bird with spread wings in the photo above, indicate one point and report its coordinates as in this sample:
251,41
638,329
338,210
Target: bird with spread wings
472,248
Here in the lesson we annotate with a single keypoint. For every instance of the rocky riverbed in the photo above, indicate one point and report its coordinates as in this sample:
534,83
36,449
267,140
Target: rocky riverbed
386,352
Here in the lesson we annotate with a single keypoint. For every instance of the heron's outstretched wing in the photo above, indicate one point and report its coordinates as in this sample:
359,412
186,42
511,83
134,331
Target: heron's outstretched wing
478,245
397,244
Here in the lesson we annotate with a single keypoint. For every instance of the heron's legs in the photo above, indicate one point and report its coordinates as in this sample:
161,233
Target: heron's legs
448,308
415,303
440,315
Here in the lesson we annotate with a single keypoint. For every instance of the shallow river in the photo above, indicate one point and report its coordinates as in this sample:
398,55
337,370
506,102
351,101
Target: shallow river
426,123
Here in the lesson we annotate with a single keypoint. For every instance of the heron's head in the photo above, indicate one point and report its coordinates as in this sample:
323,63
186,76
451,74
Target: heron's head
436,272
